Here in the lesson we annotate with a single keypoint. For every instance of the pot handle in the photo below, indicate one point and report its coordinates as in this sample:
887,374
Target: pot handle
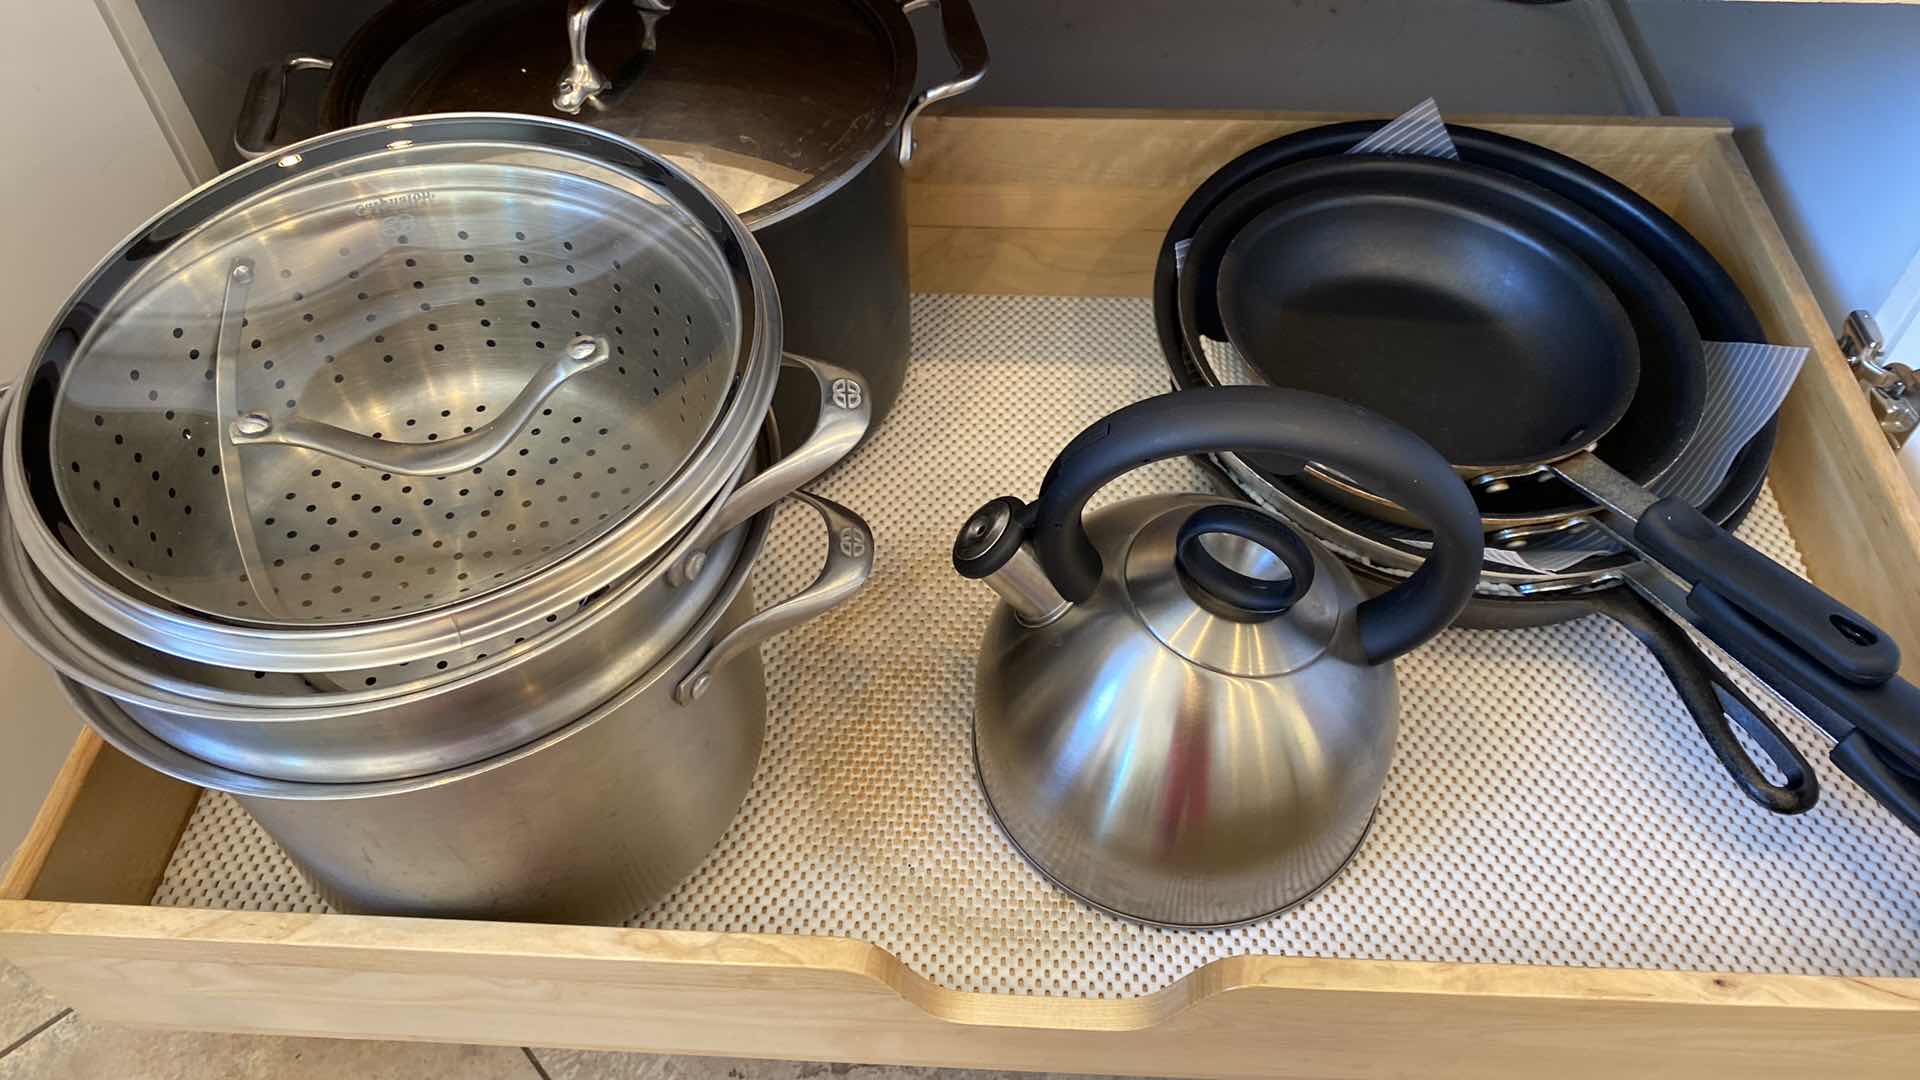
1715,702
849,563
1299,426
968,47
845,411
434,458
583,82
261,105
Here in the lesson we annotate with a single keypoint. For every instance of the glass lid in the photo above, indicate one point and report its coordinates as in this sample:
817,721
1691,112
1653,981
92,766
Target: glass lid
397,382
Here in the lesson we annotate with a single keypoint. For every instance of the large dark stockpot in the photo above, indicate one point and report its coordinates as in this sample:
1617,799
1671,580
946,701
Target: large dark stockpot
797,113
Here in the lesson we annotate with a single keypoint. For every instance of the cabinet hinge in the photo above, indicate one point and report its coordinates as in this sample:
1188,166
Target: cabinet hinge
1891,387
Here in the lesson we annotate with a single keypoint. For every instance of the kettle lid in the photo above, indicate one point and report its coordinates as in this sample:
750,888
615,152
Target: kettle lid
1234,589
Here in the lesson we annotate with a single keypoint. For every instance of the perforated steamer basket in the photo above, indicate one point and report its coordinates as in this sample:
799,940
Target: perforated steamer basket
405,387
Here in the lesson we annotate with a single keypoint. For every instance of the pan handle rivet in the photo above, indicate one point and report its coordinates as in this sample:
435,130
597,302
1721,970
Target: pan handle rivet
701,683
252,425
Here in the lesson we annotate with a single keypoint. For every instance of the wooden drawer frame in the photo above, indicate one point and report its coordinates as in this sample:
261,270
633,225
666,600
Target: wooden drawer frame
1036,202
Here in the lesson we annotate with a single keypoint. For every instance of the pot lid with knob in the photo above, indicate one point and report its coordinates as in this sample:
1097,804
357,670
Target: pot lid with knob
771,103
1184,710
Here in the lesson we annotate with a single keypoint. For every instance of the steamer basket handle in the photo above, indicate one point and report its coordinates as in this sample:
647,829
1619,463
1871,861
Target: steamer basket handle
436,457
849,564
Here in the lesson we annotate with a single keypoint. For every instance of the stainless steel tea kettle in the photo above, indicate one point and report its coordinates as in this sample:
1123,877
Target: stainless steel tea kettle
1184,709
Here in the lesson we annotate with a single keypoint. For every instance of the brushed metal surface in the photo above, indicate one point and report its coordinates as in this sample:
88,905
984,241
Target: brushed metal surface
1138,773
589,824
728,279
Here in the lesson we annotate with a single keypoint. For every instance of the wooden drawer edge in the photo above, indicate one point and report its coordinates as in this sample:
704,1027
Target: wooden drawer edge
604,953
31,856
833,999
1852,509
104,832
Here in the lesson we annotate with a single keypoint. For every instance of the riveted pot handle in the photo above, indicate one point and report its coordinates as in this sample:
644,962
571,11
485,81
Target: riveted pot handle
1296,425
255,129
435,457
968,47
841,422
849,564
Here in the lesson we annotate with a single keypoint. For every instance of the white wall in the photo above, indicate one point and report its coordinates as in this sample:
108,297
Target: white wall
1826,99
1312,55
85,163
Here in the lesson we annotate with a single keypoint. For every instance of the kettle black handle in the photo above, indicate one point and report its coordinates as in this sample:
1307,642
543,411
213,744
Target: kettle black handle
1297,425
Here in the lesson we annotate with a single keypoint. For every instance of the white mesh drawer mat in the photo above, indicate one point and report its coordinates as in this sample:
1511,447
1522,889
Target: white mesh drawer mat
1550,802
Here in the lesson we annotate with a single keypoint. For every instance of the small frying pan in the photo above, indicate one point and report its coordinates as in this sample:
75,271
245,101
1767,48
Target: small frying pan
1652,425
1431,309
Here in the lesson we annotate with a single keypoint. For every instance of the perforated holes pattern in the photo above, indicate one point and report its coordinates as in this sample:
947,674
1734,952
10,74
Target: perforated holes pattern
1550,803
412,332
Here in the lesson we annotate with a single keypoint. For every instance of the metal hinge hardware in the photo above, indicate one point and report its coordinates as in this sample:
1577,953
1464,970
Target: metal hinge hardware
1891,387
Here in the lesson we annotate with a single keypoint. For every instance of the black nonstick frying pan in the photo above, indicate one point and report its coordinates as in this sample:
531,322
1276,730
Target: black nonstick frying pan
1650,428
1370,295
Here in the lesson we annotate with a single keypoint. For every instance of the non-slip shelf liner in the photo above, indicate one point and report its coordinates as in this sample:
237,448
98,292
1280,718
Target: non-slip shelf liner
1550,802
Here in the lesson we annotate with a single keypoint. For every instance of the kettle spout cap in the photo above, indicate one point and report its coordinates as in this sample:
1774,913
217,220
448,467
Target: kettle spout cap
992,548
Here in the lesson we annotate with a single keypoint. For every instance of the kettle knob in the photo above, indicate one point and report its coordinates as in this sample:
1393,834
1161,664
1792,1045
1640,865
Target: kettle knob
1227,592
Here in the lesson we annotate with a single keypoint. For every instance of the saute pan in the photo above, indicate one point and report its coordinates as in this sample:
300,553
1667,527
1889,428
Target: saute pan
1323,285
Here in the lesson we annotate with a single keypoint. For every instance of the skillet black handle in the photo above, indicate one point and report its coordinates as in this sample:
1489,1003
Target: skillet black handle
1297,425
1819,654
1865,764
1888,713
1832,635
1700,684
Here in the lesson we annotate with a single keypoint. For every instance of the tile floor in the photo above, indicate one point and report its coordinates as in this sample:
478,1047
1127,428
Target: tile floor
40,1037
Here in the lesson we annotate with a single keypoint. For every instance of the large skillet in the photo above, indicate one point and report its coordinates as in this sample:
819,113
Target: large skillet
1648,431
1718,310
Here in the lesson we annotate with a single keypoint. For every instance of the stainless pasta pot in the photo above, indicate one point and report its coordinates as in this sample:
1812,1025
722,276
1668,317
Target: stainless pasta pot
589,823
397,722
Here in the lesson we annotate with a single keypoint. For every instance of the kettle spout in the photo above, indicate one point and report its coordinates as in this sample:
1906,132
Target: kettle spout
992,548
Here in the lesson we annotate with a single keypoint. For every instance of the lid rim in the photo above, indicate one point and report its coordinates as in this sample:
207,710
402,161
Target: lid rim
390,29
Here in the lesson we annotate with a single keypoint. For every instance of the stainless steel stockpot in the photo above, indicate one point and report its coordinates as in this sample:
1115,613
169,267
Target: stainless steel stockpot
393,723
589,823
